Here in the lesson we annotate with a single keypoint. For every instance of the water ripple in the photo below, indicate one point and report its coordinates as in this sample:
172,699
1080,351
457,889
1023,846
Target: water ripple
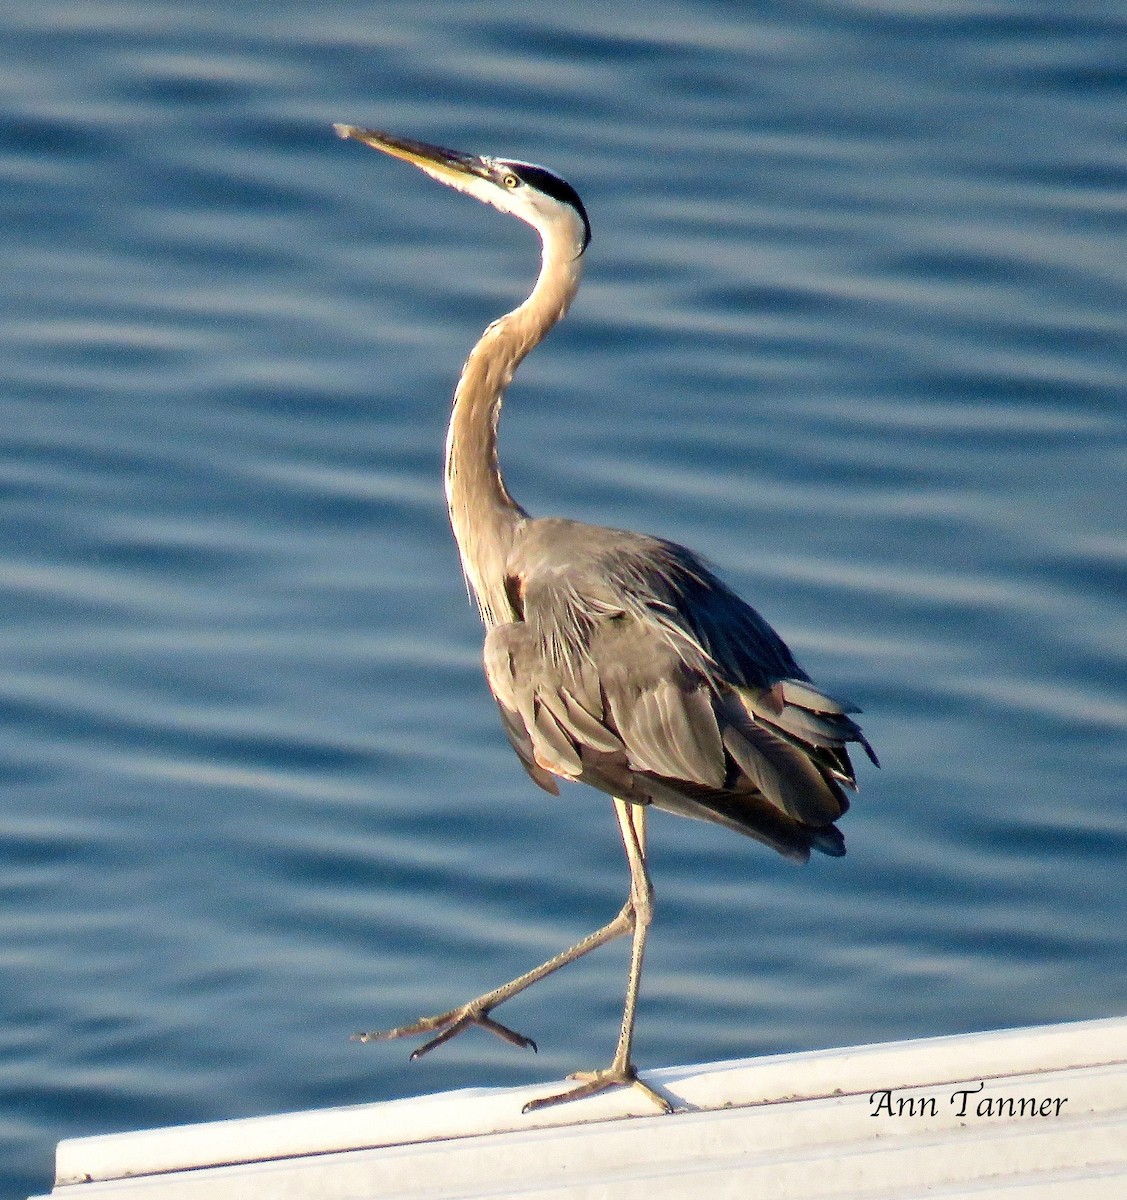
853,326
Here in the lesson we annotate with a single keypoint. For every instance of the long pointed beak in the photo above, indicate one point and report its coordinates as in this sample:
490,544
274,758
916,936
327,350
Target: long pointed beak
435,160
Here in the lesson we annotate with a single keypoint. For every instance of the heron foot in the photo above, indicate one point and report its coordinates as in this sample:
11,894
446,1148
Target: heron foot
448,1025
593,1082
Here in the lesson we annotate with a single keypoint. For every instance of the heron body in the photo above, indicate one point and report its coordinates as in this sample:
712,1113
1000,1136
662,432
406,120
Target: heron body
616,659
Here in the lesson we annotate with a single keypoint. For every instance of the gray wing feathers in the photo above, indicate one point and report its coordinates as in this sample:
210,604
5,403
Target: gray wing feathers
670,731
806,695
784,775
553,746
585,726
810,720
808,727
502,645
629,666
656,726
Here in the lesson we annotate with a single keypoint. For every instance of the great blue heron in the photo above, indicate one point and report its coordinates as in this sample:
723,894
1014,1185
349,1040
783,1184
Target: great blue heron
616,659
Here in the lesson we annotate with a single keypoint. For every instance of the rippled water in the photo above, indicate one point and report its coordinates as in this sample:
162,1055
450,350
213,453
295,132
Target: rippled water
853,326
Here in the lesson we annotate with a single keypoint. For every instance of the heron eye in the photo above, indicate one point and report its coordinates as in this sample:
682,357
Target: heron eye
511,182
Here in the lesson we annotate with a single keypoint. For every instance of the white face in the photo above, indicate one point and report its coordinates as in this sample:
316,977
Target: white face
556,221
523,190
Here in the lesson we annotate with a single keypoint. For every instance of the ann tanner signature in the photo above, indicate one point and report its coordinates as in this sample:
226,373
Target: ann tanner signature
967,1102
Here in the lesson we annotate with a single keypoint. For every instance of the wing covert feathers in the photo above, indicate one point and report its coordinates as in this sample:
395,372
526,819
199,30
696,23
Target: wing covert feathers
630,667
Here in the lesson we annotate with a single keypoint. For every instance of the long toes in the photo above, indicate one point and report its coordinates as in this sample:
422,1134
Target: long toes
448,1025
652,1094
593,1082
457,1026
482,1019
506,1034
423,1025
586,1089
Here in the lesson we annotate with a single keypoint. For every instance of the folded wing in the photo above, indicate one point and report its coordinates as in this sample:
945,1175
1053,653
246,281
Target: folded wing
630,667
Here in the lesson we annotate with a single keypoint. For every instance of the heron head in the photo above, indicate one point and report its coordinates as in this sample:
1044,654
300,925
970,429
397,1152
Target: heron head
534,194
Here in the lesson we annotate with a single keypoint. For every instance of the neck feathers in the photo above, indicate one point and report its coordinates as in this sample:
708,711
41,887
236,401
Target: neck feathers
483,515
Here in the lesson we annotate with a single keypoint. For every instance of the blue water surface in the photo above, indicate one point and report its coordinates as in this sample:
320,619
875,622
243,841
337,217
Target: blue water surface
853,327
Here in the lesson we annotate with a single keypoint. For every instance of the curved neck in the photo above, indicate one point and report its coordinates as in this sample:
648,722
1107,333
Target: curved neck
483,515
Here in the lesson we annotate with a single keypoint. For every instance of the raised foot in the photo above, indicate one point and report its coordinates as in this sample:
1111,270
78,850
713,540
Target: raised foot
593,1082
448,1025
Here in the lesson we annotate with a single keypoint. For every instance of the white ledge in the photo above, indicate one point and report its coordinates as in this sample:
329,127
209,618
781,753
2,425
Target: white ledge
1038,1113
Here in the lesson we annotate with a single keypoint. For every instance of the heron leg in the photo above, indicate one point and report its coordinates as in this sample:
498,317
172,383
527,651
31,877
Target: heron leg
476,1012
622,1072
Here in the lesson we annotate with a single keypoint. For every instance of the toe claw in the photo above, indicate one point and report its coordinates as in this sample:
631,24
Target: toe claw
448,1025
506,1034
455,1027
